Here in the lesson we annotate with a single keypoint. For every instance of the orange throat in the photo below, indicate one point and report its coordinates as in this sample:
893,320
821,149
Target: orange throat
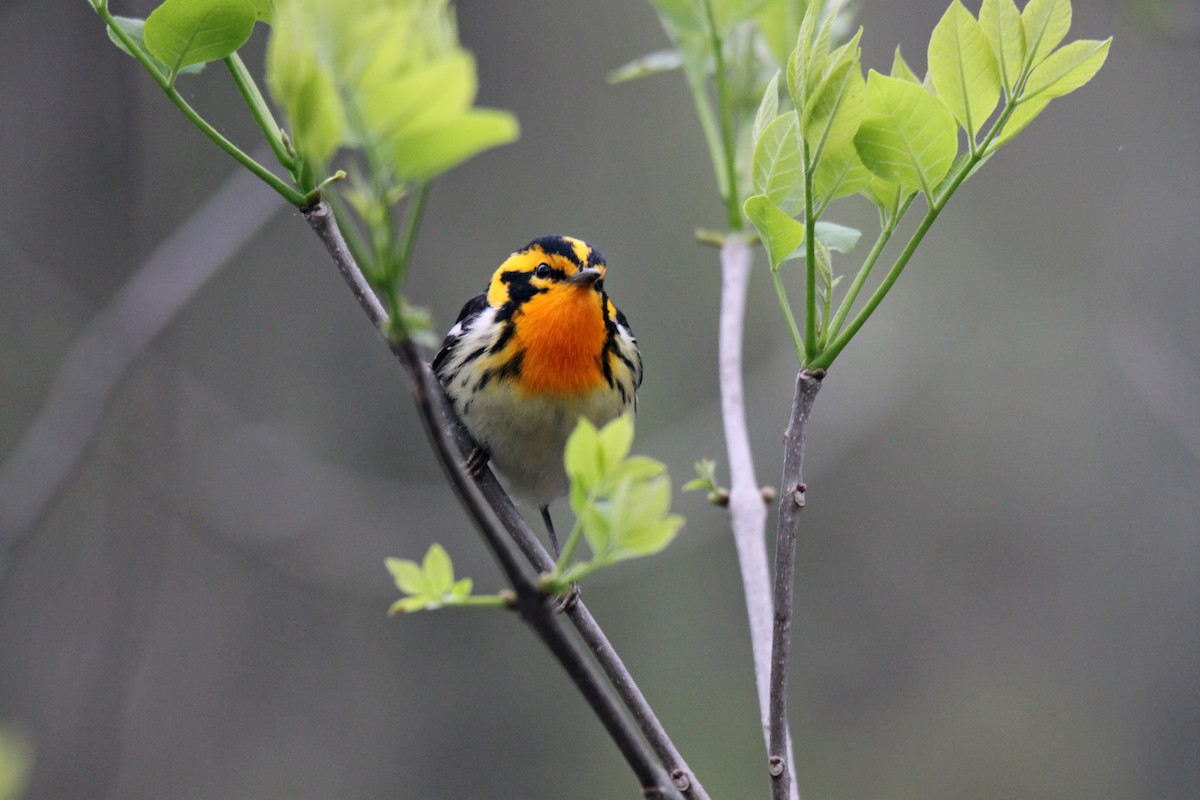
562,335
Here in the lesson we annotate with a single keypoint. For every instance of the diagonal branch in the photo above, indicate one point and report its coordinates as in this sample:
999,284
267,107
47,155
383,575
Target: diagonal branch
791,503
450,443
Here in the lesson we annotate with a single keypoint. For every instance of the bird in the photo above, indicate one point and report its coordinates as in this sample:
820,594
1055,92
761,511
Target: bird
540,348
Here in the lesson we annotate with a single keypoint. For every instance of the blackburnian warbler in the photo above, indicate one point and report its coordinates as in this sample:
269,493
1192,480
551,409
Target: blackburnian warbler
542,347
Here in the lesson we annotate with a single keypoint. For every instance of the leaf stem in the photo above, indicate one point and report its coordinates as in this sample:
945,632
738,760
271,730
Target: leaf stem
885,234
732,205
810,260
568,548
788,316
271,179
260,110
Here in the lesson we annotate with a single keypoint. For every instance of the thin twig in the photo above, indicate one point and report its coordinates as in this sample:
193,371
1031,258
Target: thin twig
791,502
532,604
747,511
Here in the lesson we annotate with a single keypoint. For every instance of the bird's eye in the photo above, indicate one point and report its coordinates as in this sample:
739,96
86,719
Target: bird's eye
542,271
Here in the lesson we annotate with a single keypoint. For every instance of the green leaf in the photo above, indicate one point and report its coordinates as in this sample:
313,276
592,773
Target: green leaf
408,575
264,10
582,456
837,102
781,234
901,69
429,152
649,64
908,136
840,173
768,108
640,468
439,571
777,169
462,588
885,194
1067,69
1061,73
1001,23
184,32
799,60
308,94
135,30
616,439
423,97
1046,23
839,238
706,476
963,69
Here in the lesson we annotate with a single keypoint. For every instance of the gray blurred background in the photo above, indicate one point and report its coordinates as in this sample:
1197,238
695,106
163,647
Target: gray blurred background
999,573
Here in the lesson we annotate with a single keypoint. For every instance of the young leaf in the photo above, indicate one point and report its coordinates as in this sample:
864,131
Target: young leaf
425,154
840,173
837,102
768,108
582,456
901,69
184,32
839,238
305,89
778,166
264,9
1063,72
135,30
908,136
430,584
424,96
781,234
1067,69
1046,23
1001,23
963,69
408,575
616,438
439,572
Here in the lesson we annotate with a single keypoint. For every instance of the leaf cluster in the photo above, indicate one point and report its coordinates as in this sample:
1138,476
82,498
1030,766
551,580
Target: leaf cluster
430,584
621,502
383,82
891,137
727,50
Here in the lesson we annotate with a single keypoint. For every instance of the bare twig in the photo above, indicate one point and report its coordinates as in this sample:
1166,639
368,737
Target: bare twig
449,445
747,511
791,503
36,468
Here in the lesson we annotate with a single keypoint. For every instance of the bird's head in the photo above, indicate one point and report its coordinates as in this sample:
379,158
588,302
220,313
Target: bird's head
548,264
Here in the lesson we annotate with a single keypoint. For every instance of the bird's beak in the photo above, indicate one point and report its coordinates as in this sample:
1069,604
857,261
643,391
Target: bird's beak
585,277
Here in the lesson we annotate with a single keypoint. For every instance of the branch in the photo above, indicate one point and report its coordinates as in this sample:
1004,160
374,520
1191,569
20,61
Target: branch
791,503
747,511
450,442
